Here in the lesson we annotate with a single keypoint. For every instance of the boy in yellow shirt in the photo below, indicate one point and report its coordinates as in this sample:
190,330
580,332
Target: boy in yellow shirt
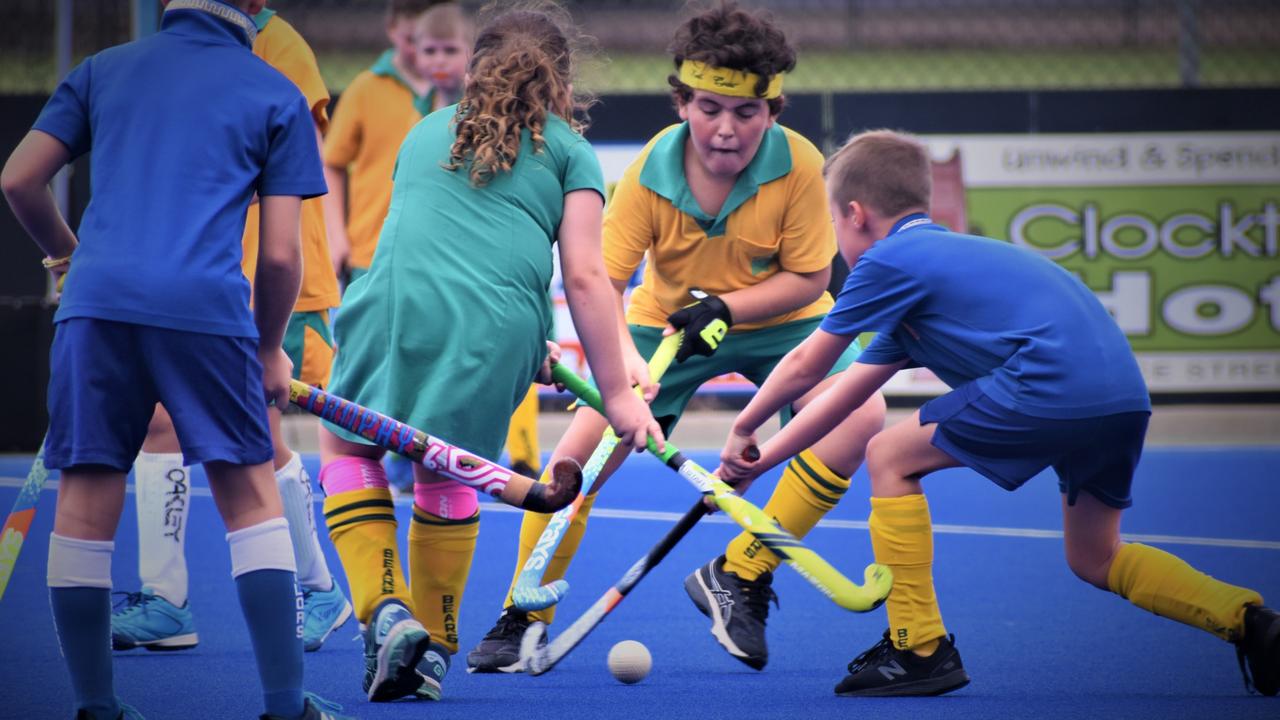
158,617
378,108
730,209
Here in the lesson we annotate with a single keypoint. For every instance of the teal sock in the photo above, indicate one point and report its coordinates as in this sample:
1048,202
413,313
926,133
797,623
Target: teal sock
82,616
271,604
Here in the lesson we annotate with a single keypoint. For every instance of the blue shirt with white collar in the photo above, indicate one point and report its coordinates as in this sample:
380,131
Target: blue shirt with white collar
183,128
973,309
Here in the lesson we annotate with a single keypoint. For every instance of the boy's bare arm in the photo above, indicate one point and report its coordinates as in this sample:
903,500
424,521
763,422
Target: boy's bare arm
795,374
811,424
279,273
776,295
25,182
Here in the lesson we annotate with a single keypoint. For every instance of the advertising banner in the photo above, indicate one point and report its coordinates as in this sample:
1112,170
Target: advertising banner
1175,233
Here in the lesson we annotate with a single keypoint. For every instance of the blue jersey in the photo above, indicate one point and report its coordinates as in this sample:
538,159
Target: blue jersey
183,128
1031,335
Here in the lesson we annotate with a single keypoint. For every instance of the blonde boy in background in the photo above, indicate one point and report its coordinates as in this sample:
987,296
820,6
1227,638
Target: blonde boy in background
158,617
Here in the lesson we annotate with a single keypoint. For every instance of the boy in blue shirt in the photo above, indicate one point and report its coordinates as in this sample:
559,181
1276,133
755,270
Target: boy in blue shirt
184,127
1042,377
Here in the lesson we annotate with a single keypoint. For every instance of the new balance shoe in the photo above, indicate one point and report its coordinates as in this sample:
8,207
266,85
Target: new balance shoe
1260,649
393,644
323,611
314,708
499,650
149,621
738,609
884,670
432,668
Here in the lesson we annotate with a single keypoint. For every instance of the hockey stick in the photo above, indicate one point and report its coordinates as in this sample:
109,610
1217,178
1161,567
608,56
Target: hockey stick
529,593
538,660
439,456
878,579
19,521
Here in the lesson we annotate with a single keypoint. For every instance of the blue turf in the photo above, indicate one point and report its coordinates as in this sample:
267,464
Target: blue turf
1037,642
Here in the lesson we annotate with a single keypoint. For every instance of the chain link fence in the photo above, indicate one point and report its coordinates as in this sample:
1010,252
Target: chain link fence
844,44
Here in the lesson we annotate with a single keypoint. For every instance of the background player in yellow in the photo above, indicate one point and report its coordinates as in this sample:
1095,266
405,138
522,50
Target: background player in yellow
159,616
421,72
729,207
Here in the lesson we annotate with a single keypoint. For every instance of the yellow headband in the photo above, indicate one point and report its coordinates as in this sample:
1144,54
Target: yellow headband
723,81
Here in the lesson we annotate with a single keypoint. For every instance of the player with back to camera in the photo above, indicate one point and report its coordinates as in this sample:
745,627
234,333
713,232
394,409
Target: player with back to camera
1041,377
183,128
731,203
423,72
482,193
158,617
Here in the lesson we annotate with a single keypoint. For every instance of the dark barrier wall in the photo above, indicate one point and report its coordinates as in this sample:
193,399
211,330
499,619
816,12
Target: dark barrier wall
824,118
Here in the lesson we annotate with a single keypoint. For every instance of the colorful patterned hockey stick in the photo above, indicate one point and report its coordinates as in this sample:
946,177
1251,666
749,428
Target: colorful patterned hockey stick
878,579
435,454
18,523
530,594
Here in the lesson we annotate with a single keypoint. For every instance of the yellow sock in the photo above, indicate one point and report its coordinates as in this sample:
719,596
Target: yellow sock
902,536
362,526
807,490
530,530
1166,585
522,433
440,553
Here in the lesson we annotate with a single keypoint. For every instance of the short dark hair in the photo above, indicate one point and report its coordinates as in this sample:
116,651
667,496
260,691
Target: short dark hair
725,35
889,172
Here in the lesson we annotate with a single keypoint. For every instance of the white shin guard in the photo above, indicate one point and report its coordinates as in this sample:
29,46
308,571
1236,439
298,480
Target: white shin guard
299,509
163,493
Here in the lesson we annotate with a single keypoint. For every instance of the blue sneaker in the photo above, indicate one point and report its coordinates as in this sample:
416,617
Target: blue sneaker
150,621
314,708
393,644
431,670
324,611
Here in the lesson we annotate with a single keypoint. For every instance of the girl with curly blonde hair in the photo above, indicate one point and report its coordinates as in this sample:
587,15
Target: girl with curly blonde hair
448,328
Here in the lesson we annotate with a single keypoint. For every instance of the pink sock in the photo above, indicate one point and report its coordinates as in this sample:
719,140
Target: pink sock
350,472
447,500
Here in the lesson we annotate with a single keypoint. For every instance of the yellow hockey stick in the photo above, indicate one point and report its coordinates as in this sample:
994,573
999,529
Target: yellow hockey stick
811,566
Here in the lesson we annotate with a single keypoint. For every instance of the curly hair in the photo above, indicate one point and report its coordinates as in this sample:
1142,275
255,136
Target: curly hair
520,70
726,35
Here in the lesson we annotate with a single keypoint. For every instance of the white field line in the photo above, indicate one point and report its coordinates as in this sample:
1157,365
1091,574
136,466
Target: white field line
828,524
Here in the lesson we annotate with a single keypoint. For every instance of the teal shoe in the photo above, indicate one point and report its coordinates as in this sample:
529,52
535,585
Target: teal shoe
432,669
150,621
314,708
324,611
393,644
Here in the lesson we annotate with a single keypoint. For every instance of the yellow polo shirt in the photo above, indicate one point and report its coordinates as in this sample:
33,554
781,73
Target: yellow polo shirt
774,219
284,49
376,113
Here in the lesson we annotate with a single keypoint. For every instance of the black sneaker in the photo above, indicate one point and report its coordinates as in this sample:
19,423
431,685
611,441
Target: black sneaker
499,651
717,594
885,670
1260,648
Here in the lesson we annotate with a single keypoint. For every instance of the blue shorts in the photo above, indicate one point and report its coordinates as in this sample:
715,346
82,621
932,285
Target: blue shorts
106,378
1095,454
